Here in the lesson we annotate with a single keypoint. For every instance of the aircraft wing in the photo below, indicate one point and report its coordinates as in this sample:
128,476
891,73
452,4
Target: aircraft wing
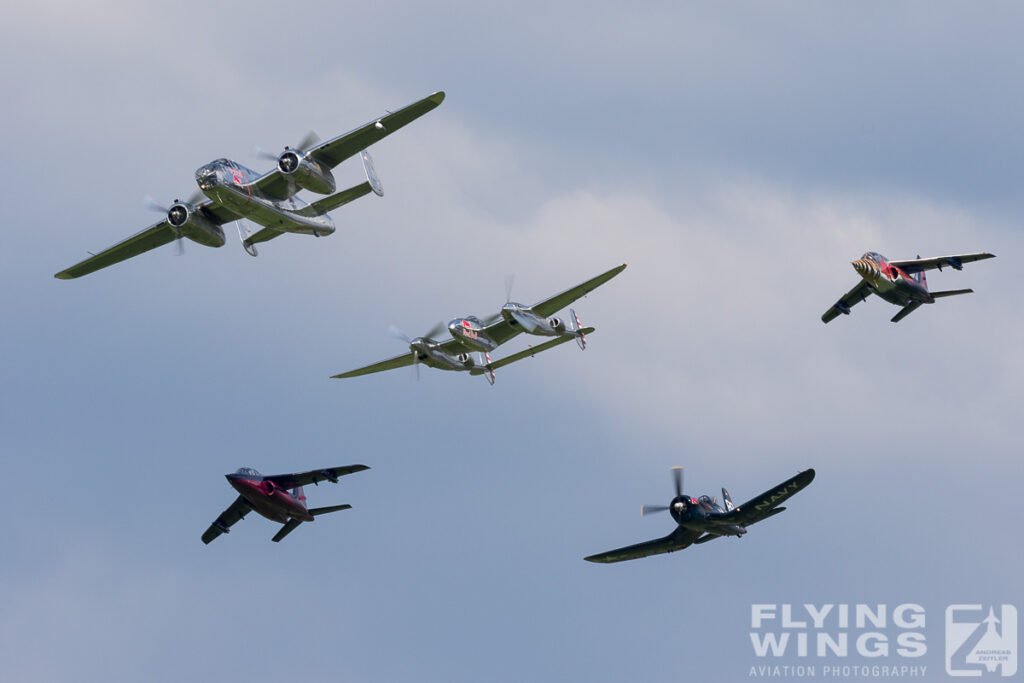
233,514
859,293
766,504
152,237
290,481
501,331
333,152
677,540
527,353
389,364
556,303
955,262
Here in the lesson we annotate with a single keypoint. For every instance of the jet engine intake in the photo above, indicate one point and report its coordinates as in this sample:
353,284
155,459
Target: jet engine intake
556,323
307,173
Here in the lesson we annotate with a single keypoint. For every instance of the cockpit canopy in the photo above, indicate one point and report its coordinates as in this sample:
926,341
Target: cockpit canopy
248,472
873,256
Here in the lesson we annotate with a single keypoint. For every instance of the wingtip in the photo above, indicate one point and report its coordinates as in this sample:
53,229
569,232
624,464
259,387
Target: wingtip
63,275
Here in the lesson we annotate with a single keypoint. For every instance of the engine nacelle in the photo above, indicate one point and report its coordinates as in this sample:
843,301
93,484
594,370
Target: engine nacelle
189,222
307,173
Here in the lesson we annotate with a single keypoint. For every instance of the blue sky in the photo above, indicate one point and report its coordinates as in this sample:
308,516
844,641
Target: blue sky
737,157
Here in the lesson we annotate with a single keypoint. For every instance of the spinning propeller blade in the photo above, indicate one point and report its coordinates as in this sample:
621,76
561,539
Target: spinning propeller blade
651,509
677,475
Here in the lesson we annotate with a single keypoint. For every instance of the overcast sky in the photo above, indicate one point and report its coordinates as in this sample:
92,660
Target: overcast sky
737,156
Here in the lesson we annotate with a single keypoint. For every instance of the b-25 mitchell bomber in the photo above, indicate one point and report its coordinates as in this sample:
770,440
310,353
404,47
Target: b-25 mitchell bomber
270,496
234,192
901,283
703,519
472,340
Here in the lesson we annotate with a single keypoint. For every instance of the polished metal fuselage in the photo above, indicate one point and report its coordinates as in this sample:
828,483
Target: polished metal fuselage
531,323
232,186
430,353
469,331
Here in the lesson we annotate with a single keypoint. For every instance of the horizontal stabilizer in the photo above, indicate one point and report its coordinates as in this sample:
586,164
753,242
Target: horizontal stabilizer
322,206
329,508
951,292
286,529
906,310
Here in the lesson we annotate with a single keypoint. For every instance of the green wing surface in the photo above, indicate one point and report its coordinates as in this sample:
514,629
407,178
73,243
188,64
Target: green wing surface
389,364
235,513
528,353
501,330
556,303
290,481
333,152
152,237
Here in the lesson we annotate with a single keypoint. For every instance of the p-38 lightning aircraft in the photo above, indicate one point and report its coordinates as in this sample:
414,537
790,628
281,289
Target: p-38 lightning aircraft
234,192
448,355
472,339
270,497
899,282
702,519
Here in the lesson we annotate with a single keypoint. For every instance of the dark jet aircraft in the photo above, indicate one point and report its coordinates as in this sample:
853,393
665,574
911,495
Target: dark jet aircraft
702,519
234,192
270,497
899,282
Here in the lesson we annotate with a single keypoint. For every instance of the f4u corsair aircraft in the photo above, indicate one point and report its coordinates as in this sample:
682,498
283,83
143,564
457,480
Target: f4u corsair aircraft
234,192
702,519
899,282
270,497
473,340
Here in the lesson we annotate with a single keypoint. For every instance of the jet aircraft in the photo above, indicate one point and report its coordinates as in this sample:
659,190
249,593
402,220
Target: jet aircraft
270,497
702,519
448,355
234,192
899,282
472,339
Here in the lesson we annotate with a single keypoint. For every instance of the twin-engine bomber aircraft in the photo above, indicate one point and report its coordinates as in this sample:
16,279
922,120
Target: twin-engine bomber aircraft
234,192
702,519
899,282
473,340
270,497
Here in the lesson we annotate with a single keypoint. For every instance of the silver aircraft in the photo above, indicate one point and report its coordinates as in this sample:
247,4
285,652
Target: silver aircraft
448,355
472,338
232,192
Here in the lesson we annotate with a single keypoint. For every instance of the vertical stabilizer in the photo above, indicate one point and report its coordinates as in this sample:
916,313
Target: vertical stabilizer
727,501
299,495
921,278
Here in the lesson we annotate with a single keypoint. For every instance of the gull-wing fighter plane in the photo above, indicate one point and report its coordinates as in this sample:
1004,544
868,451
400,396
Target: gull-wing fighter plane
473,334
450,355
899,282
702,519
234,192
278,497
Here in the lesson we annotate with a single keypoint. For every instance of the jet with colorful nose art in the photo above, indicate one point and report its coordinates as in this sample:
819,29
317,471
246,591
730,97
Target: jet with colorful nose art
901,283
232,192
277,497
702,519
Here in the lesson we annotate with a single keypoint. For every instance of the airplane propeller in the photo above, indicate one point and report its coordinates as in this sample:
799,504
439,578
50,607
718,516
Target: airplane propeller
677,478
397,333
152,205
288,164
